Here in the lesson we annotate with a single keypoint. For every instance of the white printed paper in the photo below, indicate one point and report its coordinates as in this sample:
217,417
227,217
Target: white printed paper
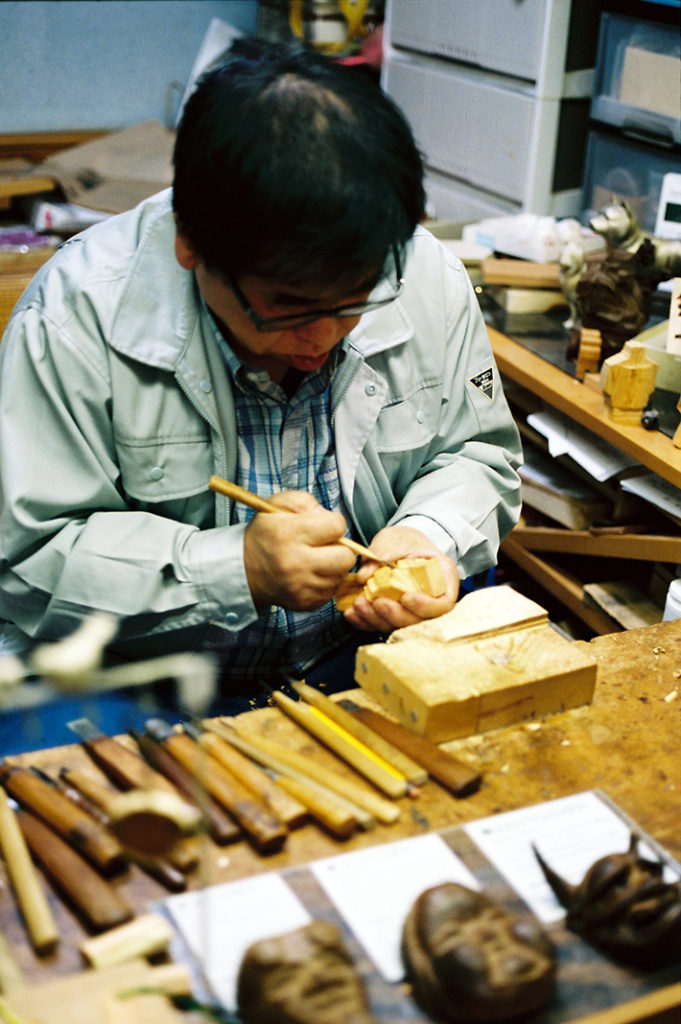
597,457
220,922
374,889
570,834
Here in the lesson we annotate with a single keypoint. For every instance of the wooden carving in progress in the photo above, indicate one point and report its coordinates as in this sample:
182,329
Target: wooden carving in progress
492,661
410,575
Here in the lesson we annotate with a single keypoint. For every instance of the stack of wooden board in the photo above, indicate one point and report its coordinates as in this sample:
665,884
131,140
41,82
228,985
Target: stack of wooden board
492,661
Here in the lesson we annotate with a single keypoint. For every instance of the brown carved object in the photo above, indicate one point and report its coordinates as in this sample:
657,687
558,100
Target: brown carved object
628,381
306,976
624,907
611,301
469,960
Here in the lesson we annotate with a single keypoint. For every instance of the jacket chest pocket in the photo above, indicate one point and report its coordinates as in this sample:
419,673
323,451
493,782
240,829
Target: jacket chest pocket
161,471
409,423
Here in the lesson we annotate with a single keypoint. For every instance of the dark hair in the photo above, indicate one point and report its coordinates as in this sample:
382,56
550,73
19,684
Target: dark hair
291,165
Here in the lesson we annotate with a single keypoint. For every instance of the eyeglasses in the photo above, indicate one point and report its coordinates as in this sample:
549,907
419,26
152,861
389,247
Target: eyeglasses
279,323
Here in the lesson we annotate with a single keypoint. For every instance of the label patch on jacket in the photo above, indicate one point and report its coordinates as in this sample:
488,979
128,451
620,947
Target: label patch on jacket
484,382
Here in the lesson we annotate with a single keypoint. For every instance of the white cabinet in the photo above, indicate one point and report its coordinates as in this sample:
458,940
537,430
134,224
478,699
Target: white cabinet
497,93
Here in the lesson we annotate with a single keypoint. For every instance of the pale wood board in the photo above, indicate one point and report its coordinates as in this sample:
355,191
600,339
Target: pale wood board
457,674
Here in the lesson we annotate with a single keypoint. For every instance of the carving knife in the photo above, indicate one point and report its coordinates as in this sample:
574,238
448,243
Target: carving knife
79,829
95,898
236,493
221,827
267,832
122,765
451,773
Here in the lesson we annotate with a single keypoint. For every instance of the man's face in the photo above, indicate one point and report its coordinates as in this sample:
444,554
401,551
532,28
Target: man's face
304,348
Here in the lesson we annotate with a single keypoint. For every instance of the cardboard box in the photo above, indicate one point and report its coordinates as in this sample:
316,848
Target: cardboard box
651,81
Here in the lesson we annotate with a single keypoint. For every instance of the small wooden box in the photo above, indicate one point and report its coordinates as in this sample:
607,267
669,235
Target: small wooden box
492,661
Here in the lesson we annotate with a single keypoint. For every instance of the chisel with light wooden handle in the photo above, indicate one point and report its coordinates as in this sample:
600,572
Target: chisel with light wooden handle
369,806
334,813
451,773
97,900
79,829
236,493
282,804
354,753
35,910
413,772
267,832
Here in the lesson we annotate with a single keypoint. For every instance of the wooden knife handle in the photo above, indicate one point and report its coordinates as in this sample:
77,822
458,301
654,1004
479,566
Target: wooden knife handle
281,802
395,756
124,766
267,833
451,773
83,832
354,753
220,825
31,898
94,898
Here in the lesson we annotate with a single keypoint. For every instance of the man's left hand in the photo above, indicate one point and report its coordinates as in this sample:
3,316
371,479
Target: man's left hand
384,614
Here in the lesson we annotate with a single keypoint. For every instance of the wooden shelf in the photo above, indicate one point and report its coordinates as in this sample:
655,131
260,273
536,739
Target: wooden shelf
586,406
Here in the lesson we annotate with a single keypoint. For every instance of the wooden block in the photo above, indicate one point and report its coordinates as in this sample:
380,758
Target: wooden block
492,661
423,575
628,380
521,273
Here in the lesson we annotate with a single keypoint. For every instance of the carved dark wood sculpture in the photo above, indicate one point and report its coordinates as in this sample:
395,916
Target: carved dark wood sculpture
624,907
469,960
611,301
305,976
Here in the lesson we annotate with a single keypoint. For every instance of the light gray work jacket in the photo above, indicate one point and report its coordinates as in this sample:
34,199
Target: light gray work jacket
116,408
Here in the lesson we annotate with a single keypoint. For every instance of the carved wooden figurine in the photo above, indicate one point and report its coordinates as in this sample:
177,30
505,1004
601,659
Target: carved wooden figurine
469,960
589,354
306,976
410,575
628,380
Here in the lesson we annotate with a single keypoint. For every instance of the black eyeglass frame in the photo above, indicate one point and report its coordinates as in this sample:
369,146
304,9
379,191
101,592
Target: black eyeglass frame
278,323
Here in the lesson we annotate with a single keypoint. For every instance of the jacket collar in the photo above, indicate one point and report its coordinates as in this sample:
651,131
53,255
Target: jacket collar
156,328
158,309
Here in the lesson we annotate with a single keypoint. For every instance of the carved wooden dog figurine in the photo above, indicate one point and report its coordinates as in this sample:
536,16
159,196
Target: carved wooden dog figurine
618,225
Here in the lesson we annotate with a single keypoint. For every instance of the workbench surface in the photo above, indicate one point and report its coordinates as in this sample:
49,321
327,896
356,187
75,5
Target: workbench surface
626,744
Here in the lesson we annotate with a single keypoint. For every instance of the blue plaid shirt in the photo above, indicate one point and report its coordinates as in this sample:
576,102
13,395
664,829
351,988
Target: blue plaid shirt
283,444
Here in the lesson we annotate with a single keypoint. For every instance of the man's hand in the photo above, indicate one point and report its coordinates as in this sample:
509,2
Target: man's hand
295,561
384,614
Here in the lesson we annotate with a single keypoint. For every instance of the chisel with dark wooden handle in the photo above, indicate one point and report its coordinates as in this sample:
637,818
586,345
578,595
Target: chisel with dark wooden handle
92,896
170,874
83,832
267,833
451,773
221,827
122,765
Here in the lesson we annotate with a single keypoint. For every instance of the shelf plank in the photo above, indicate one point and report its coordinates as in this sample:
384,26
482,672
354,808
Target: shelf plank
585,405
564,588
641,547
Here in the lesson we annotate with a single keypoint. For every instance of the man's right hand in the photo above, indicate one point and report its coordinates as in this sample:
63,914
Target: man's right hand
295,561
